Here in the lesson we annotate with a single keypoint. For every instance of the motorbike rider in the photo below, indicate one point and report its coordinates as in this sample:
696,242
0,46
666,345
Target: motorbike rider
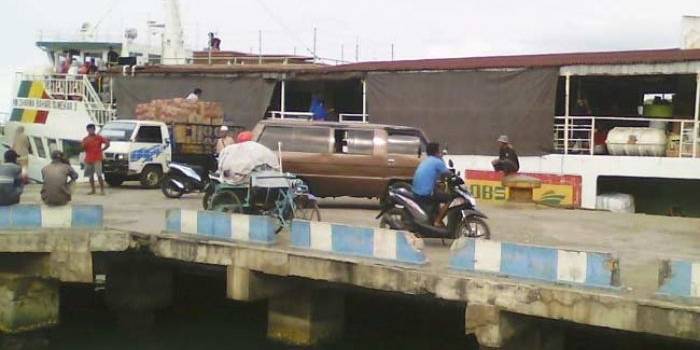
429,171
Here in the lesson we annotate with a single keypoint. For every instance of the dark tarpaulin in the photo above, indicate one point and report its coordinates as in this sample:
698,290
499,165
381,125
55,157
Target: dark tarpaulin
467,111
244,99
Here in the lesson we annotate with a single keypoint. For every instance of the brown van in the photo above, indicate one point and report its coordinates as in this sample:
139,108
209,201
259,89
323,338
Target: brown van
344,159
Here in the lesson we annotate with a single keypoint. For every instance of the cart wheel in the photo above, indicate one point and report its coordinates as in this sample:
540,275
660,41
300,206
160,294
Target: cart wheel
226,202
306,209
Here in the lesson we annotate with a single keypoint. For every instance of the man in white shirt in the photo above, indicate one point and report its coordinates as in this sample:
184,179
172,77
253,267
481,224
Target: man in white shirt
194,95
225,139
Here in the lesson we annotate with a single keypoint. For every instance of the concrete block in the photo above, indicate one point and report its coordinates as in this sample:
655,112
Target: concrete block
306,317
28,216
397,246
27,303
592,269
679,278
236,227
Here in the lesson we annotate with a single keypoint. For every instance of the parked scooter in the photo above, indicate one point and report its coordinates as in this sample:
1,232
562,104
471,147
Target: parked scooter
184,178
405,211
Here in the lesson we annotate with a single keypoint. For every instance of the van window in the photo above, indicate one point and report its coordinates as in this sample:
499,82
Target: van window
40,150
403,144
354,141
297,139
149,134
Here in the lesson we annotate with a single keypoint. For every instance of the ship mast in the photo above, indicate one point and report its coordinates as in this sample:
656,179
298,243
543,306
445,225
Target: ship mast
173,38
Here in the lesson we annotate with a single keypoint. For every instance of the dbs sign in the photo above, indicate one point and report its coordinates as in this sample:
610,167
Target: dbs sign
556,190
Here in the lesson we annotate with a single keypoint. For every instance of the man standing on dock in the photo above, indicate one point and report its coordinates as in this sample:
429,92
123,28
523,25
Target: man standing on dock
20,145
92,144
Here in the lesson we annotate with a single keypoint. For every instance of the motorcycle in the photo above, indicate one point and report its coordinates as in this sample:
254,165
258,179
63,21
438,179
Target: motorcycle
184,178
404,210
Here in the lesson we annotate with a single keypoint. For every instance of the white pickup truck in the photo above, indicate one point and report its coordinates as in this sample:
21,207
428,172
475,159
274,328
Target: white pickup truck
140,150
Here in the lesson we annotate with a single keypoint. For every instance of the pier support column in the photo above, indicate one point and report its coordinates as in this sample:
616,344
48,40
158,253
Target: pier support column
27,303
135,289
306,316
245,285
496,329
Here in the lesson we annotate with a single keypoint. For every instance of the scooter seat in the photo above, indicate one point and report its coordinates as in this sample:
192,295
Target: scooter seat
406,193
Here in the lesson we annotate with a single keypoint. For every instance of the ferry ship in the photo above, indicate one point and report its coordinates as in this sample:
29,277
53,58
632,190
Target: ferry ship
55,108
585,124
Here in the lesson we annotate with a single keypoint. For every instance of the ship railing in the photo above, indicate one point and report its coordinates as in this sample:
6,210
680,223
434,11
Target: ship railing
576,134
74,87
291,115
342,117
353,117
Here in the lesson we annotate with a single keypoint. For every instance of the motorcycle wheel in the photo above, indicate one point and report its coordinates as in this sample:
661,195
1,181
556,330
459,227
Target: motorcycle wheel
169,189
394,219
473,227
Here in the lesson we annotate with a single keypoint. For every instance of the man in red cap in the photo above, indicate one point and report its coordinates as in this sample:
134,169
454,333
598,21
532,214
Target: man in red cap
244,136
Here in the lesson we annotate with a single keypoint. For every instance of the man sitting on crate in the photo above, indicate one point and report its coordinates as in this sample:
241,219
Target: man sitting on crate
237,161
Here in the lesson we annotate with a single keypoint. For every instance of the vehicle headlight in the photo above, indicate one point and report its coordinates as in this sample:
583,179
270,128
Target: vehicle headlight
457,202
119,156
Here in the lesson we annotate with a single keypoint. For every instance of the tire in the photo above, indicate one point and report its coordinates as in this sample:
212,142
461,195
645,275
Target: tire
226,202
114,180
169,189
306,209
151,176
473,227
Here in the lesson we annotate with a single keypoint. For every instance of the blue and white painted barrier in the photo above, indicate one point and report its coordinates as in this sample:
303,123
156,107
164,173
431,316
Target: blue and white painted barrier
538,263
30,216
237,227
679,278
373,243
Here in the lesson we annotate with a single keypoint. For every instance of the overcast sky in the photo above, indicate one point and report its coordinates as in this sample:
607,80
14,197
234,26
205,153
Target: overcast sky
418,29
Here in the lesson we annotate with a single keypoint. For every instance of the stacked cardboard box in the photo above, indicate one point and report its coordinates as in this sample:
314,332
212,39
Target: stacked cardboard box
179,110
193,124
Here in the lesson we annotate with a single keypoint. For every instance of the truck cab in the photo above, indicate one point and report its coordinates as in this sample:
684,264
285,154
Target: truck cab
139,150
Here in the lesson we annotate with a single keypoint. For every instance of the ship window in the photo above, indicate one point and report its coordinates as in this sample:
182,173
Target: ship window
53,145
149,134
297,139
40,150
354,141
71,150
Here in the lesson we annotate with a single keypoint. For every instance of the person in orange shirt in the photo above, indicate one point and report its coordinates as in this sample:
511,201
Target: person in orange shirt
93,146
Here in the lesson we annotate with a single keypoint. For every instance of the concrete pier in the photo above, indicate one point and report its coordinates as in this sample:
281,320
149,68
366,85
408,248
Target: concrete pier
599,273
306,316
27,303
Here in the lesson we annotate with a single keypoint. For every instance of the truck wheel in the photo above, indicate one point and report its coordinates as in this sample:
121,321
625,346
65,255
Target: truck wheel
151,176
114,180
